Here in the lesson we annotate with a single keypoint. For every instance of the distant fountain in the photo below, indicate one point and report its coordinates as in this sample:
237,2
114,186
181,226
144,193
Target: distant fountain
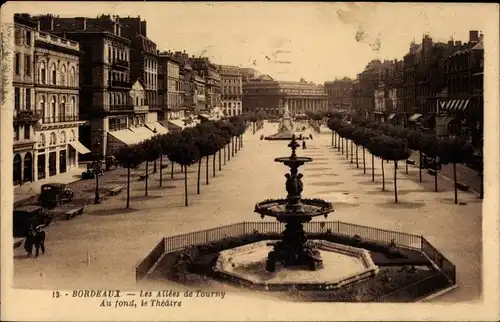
286,127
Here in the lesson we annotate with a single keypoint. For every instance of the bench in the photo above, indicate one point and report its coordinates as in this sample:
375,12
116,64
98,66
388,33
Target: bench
432,172
462,187
70,213
116,190
410,161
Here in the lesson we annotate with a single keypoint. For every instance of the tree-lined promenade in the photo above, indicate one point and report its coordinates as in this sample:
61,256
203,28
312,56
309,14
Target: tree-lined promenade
390,143
187,147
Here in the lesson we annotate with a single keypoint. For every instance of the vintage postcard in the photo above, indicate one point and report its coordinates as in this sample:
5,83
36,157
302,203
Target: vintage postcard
253,161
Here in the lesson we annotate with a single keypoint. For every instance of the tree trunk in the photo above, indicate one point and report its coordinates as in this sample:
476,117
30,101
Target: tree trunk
241,141
224,148
128,187
333,136
395,184
172,171
455,182
199,175
154,167
347,149
357,162
406,166
253,127
229,150
338,142
213,165
342,143
161,169
146,185
232,146
383,175
373,169
364,163
220,166
420,166
436,181
185,188
206,168
352,151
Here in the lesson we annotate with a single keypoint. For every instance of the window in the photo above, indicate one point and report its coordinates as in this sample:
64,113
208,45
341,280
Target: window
17,98
16,132
63,137
41,140
72,107
62,76
53,73
72,77
62,108
17,66
27,65
53,108
26,132
28,99
42,77
71,136
28,38
53,138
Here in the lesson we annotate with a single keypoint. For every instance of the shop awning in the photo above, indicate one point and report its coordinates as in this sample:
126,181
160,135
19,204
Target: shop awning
79,147
126,136
142,132
442,124
453,106
391,116
158,127
415,117
176,124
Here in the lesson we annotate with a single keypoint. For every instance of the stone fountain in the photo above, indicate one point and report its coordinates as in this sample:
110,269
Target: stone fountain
294,249
286,127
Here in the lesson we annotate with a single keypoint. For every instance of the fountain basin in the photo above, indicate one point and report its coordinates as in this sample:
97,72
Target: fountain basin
310,208
343,265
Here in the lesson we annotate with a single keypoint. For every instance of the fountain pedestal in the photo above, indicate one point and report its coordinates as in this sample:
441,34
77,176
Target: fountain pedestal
294,249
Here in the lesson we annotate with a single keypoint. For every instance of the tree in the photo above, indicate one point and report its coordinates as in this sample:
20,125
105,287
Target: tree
394,149
152,151
129,157
455,150
376,146
430,147
253,118
415,143
185,153
229,130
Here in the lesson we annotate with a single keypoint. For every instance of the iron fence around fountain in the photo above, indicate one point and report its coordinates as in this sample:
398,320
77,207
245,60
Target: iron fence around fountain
178,242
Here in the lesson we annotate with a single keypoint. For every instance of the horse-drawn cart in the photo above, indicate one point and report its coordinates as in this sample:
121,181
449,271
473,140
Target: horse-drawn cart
67,211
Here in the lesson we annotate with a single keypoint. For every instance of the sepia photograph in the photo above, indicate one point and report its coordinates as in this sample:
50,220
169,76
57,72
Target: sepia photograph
249,161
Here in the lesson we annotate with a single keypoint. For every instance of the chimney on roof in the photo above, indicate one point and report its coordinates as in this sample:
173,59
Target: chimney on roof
473,36
450,43
458,43
143,28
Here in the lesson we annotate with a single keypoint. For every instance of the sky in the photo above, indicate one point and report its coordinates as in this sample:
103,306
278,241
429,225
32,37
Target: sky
316,41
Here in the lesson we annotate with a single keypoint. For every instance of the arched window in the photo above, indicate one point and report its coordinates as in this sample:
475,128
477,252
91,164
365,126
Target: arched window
53,109
42,107
71,136
111,98
63,137
137,100
62,76
53,138
53,74
118,99
62,108
72,76
72,107
41,141
42,73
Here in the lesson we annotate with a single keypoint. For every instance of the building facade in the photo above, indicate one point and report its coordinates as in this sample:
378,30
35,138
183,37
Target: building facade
171,98
57,98
339,94
232,90
266,94
25,115
209,72
106,82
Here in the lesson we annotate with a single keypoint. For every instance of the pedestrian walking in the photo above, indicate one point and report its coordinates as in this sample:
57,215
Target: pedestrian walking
35,237
304,145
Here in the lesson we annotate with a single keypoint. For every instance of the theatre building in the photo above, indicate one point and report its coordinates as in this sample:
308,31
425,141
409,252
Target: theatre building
57,103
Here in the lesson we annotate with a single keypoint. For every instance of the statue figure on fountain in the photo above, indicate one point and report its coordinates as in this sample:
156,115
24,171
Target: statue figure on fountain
294,184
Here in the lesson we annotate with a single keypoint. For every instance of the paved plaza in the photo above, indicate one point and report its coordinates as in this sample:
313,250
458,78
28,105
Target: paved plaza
102,247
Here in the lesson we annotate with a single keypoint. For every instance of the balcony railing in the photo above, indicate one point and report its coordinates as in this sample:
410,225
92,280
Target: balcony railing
26,116
120,63
61,119
141,108
120,84
120,108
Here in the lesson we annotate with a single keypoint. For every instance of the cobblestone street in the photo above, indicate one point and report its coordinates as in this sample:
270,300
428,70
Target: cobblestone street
102,247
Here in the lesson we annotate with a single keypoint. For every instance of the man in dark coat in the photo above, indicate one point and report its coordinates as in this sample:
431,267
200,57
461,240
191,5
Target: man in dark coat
35,237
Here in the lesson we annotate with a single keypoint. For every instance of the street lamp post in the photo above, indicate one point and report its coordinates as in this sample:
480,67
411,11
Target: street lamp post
97,170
